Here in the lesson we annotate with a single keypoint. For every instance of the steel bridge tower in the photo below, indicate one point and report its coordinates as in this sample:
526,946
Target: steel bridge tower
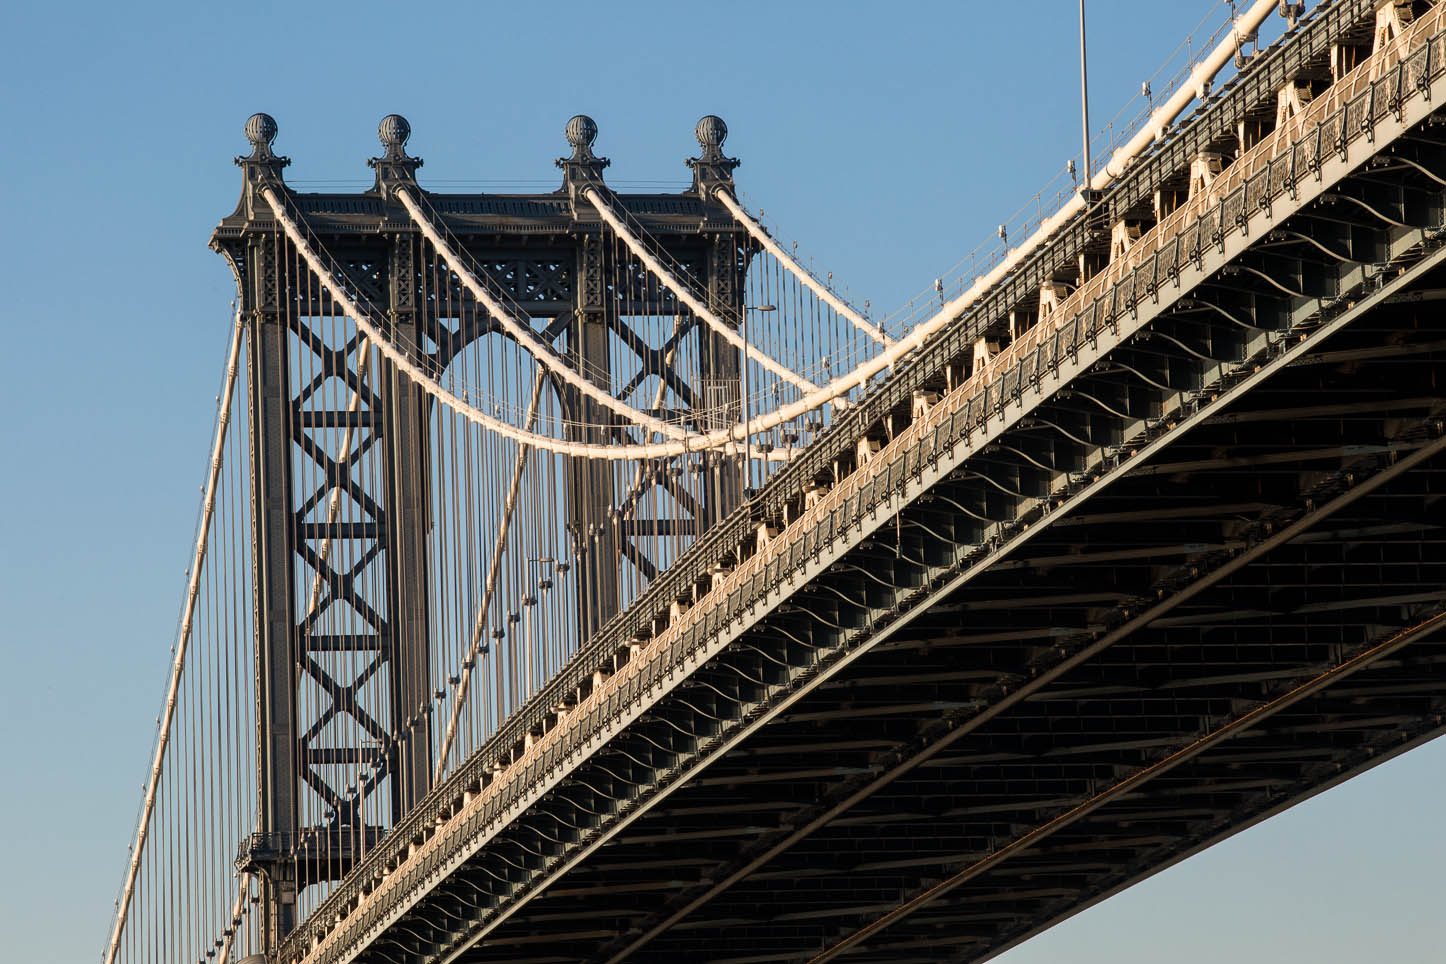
546,251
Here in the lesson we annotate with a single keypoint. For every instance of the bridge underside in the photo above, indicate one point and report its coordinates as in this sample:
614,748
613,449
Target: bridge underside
1214,687
1177,568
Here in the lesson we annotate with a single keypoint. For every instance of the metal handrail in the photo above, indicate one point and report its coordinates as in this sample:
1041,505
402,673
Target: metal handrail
1357,95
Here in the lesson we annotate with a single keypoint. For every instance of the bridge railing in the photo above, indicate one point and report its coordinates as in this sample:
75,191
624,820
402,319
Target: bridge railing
1350,109
1064,187
1270,169
486,791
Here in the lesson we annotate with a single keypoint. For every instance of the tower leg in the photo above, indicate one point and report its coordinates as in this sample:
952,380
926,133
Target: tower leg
275,644
720,369
406,446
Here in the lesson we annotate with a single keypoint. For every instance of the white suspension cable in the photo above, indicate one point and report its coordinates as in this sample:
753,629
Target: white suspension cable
543,353
1244,26
679,289
759,234
224,955
693,443
424,380
1194,86
178,665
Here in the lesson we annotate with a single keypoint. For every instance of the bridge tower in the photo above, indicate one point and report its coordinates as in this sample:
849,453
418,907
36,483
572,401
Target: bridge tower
548,252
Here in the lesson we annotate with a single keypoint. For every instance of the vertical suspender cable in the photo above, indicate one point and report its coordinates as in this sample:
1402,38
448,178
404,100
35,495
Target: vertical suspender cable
758,233
681,290
494,566
178,666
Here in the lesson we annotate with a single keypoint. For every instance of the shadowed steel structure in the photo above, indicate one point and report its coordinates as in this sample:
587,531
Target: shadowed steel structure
612,587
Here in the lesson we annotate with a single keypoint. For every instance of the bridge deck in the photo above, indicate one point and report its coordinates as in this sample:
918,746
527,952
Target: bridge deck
1176,567
970,746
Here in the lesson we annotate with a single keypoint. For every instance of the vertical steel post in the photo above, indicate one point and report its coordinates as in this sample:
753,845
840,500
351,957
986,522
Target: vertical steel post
406,445
590,482
269,392
721,372
724,372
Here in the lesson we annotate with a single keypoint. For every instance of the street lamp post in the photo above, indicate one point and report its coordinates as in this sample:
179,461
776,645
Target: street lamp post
1084,95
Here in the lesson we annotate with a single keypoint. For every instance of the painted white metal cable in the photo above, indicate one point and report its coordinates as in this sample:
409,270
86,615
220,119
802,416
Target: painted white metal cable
759,234
1244,26
671,282
224,955
429,384
540,351
1193,87
178,664
721,438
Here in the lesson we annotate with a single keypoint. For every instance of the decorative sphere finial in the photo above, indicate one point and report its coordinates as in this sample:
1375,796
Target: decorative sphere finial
711,133
580,132
393,132
261,131
394,164
713,166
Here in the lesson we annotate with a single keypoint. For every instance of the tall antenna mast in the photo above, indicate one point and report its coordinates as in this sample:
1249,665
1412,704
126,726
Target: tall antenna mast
1084,96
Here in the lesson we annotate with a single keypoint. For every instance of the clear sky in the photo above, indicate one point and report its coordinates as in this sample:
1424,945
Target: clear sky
889,138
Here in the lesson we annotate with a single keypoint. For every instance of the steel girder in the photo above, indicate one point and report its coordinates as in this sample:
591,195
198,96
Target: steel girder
832,600
1303,50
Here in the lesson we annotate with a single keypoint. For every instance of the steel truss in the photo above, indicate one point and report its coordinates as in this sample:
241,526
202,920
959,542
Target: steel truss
1051,639
538,260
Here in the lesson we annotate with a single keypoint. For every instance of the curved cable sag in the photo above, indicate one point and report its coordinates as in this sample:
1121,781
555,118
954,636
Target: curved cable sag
672,283
545,354
812,399
761,235
816,397
372,327
178,665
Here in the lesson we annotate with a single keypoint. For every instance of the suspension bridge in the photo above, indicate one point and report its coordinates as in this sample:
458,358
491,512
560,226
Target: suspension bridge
584,576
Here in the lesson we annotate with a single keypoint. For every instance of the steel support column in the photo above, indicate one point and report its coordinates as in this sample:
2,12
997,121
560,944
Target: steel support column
276,648
590,493
406,446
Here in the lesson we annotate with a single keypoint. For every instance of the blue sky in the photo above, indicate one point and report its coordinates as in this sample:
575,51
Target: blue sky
890,139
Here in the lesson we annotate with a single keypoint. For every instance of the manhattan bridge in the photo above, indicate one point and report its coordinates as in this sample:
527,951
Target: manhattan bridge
585,576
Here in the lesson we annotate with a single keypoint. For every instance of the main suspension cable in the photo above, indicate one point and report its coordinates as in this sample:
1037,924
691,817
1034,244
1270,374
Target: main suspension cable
762,236
719,439
681,290
524,336
813,397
